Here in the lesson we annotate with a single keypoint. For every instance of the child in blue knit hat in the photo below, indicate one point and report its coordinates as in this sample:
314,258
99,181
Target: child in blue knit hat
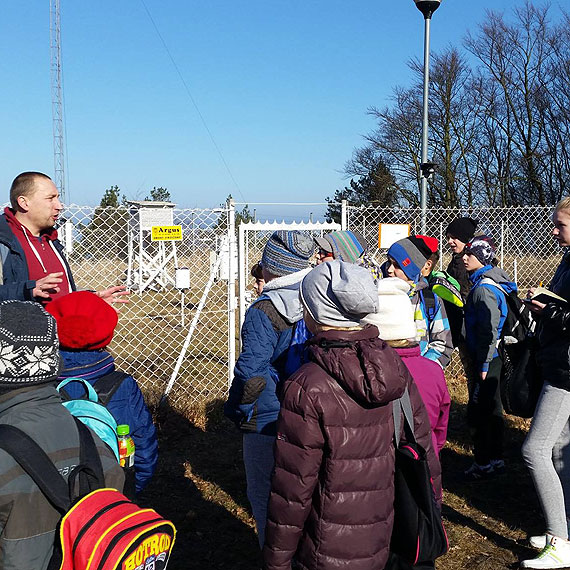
253,404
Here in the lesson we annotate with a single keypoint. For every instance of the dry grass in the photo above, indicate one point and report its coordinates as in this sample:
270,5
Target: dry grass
200,485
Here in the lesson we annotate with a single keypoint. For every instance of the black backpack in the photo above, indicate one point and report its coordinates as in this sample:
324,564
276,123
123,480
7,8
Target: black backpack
418,534
519,322
520,375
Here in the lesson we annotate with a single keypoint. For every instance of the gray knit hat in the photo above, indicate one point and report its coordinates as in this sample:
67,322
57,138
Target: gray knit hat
339,294
29,347
287,252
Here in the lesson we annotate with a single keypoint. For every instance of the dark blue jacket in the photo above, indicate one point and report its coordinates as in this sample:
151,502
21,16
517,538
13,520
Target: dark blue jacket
253,402
127,406
15,279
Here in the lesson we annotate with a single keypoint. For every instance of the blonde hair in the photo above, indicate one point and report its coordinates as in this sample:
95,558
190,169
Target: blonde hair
564,204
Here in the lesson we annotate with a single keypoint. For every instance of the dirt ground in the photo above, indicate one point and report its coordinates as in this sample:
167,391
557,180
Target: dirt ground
200,486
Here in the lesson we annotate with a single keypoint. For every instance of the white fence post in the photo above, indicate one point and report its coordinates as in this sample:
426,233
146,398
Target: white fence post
231,289
344,215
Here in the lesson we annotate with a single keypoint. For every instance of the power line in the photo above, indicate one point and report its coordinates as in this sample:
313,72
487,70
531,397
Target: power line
193,101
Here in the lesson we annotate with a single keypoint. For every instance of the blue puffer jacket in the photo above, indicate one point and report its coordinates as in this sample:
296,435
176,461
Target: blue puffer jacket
253,402
127,406
485,313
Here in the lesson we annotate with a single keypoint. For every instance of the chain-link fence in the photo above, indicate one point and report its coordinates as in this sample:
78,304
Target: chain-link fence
186,337
526,249
112,246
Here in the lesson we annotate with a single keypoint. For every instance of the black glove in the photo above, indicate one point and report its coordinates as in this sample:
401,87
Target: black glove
252,389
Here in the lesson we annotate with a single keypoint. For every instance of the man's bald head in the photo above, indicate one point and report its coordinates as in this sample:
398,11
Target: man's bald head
24,185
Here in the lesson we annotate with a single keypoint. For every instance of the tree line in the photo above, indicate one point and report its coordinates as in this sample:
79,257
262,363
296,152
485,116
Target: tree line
499,114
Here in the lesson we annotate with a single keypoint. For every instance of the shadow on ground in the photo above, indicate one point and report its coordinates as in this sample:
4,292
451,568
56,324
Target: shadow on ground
198,483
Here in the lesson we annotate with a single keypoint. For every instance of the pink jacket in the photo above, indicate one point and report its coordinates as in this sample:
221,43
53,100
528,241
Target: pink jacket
430,380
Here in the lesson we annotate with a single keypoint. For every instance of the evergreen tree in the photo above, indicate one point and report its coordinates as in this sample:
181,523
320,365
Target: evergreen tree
377,185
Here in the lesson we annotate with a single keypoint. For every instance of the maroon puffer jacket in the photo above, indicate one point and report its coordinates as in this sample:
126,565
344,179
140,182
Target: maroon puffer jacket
332,491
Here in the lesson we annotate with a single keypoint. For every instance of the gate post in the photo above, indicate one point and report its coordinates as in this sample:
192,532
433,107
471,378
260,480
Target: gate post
232,252
343,215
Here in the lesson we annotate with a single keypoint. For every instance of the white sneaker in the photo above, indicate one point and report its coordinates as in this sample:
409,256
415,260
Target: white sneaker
538,541
556,554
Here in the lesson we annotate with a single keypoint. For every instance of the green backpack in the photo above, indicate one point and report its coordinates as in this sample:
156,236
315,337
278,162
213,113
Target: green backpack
446,287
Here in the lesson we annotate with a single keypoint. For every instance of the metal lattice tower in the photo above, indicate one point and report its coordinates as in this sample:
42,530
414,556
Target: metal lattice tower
57,99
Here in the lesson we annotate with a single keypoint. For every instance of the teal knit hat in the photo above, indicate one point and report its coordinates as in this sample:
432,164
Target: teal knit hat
344,245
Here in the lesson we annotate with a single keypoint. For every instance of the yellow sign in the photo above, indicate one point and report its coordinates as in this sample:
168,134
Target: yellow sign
166,233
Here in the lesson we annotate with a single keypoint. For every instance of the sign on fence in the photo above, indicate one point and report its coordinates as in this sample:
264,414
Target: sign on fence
166,233
391,233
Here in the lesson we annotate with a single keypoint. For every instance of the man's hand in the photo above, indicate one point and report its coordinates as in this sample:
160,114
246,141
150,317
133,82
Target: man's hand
114,295
483,375
48,285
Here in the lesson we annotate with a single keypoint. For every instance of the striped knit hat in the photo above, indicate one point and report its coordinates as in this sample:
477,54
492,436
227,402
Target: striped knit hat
411,254
345,245
287,252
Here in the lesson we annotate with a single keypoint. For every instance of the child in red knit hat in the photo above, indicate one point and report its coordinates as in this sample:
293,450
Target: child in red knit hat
85,326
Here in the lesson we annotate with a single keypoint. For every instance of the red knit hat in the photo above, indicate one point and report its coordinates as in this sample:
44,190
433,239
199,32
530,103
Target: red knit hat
426,244
84,321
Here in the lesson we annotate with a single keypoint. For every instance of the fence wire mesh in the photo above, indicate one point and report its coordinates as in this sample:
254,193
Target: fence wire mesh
103,247
106,246
523,236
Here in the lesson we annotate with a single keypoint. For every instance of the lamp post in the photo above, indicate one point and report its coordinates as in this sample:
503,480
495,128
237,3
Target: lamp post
427,8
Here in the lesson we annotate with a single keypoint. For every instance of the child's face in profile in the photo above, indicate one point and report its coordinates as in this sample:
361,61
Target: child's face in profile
471,262
258,285
394,270
455,244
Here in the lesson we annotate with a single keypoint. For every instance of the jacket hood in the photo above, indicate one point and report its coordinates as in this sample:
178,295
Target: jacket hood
86,364
50,233
367,368
496,274
283,292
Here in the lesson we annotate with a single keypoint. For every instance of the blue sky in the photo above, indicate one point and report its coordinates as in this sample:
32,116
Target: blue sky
282,87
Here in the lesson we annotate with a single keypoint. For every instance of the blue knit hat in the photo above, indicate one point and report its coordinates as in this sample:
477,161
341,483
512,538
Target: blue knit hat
411,254
287,252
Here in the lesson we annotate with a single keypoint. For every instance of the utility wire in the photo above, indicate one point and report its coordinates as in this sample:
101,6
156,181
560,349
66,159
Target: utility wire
193,101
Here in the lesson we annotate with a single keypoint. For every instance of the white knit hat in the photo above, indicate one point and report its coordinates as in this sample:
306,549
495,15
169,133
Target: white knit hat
395,315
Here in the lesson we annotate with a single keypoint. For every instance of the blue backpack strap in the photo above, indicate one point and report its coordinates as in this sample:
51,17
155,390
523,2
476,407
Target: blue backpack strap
90,392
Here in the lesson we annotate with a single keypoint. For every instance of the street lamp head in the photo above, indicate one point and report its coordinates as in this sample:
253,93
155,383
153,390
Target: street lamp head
427,7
